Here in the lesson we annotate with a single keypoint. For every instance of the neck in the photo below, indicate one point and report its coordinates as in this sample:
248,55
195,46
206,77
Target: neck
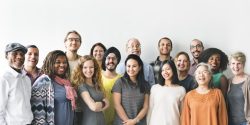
110,74
195,60
168,83
30,69
182,75
89,81
133,79
100,63
164,57
71,55
203,89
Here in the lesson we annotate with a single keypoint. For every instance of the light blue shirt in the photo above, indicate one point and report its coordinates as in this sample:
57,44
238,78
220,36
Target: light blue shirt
147,69
15,94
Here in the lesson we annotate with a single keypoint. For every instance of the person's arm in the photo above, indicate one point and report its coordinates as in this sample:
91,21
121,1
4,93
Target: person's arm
4,99
106,101
94,106
118,106
185,113
222,110
141,114
224,85
151,79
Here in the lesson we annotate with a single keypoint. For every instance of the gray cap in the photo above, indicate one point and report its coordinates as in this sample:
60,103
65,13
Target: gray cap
14,47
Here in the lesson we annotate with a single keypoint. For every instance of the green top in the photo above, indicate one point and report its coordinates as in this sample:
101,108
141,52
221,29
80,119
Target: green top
216,79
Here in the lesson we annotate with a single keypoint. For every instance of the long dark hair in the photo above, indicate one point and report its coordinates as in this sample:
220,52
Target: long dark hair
175,79
142,83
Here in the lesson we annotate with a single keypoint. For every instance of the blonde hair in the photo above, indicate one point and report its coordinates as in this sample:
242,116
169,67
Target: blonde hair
239,56
78,78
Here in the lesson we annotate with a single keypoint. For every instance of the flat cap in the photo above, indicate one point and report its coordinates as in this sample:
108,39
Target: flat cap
14,47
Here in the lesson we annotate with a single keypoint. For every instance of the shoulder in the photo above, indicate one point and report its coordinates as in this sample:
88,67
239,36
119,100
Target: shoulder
42,80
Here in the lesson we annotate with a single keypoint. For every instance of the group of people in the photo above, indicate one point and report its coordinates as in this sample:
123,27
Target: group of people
96,89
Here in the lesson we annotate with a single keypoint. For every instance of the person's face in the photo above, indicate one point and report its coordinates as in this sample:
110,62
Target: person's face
15,59
111,62
202,75
196,48
73,42
134,47
132,68
237,67
167,72
165,47
60,66
32,57
88,69
182,63
214,62
98,53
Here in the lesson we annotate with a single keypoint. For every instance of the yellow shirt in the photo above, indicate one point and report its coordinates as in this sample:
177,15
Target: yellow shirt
108,84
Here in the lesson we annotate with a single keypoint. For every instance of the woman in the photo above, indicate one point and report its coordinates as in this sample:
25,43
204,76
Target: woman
204,105
239,91
53,98
97,51
182,63
166,97
87,78
218,61
131,94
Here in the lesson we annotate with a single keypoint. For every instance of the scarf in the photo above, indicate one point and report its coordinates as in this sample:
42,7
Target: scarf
70,91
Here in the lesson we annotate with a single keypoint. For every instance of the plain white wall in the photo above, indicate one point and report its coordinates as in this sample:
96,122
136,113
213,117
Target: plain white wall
218,23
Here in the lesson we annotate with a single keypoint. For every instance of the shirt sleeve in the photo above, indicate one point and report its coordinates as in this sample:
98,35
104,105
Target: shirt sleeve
222,109
151,78
117,86
82,88
4,90
185,115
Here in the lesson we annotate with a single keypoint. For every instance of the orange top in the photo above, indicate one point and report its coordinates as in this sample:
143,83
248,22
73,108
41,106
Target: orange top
204,109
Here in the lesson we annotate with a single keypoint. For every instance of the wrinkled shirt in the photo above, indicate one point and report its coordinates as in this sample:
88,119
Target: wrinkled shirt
15,94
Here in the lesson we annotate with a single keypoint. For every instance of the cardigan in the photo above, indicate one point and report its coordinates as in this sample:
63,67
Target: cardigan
42,101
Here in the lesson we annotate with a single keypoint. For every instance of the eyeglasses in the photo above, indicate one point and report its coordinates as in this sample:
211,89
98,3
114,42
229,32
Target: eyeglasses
198,46
73,39
137,46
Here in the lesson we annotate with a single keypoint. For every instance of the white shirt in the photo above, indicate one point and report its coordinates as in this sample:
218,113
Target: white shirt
15,94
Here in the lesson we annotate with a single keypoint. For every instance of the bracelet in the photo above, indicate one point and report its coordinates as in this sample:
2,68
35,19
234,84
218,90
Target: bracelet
103,104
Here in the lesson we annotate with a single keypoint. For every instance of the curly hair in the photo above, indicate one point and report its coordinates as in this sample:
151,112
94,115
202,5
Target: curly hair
49,62
78,78
206,54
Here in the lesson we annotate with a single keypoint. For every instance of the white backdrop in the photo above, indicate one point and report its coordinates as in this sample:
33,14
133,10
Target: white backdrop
218,23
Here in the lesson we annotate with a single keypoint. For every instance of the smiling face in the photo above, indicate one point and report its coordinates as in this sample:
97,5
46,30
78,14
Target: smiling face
196,48
15,59
203,75
164,47
182,63
111,62
214,61
32,57
132,68
88,69
133,47
60,66
236,66
98,53
167,72
73,42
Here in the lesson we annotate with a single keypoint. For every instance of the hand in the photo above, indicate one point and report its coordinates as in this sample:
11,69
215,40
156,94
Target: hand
129,122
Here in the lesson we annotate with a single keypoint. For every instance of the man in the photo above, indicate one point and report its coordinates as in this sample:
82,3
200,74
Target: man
110,60
196,47
133,46
30,64
15,89
165,48
72,43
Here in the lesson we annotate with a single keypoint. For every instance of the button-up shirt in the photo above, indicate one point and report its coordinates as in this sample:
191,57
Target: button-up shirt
15,93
